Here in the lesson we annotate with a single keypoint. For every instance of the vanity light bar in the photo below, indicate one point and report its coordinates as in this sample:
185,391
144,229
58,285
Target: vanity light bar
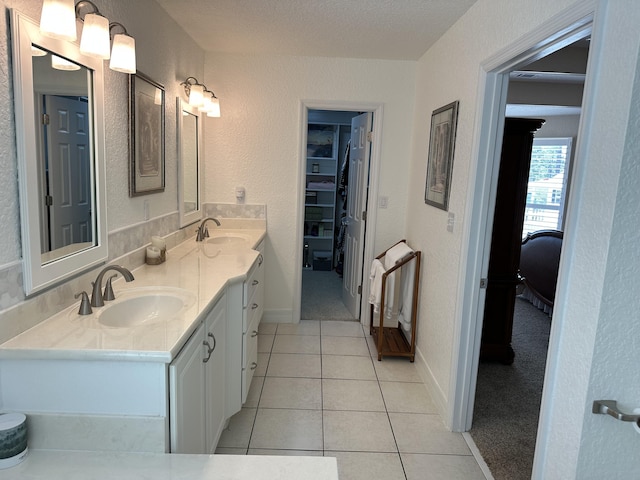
58,20
201,97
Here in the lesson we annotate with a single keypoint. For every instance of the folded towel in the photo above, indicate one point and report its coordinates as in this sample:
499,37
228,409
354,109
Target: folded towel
406,295
396,254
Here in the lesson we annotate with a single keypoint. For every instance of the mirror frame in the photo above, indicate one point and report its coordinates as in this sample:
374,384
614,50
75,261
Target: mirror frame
38,276
187,218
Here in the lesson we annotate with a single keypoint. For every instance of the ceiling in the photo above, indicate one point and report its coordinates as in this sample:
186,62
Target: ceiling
380,29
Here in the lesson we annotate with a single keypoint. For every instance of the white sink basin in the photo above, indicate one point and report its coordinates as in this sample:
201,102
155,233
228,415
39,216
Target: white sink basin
230,239
145,307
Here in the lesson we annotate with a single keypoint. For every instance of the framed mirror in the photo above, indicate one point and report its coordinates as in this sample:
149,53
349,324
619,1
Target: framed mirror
58,95
189,130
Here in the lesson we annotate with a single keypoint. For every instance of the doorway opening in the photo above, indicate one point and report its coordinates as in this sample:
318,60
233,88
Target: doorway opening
337,177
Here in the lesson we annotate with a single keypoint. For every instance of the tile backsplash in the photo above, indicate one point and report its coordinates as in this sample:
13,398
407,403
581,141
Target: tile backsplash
126,247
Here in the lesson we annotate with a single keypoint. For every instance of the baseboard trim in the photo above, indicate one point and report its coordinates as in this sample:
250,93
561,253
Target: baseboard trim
284,315
437,395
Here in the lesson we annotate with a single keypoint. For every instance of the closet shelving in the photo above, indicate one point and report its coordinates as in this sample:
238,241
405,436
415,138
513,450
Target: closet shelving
320,197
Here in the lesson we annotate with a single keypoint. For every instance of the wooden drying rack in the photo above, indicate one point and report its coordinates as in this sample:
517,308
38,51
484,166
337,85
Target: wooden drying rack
391,341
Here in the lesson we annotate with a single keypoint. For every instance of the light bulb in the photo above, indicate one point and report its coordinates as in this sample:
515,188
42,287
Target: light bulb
95,36
58,19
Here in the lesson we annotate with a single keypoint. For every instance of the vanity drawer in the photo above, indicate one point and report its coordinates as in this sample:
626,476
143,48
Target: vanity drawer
254,282
250,363
253,311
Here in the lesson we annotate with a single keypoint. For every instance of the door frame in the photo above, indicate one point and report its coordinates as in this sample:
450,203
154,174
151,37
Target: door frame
374,180
554,34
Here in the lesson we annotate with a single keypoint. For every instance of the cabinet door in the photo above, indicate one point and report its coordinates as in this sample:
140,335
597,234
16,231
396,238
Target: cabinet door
215,374
187,397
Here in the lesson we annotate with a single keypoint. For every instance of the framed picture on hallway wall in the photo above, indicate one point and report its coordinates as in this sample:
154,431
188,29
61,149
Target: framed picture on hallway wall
440,162
146,136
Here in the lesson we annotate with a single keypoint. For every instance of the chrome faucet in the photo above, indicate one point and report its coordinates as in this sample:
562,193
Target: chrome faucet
202,231
97,300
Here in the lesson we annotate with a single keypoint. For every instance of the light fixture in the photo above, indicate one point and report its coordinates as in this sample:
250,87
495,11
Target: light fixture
37,52
201,97
95,32
58,20
60,63
123,51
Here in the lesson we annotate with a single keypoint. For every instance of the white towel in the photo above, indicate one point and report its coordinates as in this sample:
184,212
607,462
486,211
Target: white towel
375,284
396,254
406,295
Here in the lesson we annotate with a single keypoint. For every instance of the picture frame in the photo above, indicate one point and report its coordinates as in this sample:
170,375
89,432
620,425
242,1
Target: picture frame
146,136
440,161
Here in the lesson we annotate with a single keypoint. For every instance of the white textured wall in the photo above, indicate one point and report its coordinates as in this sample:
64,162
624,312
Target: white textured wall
166,54
449,71
256,142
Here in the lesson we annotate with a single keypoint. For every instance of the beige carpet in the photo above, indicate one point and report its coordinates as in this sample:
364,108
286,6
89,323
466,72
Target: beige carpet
507,406
322,296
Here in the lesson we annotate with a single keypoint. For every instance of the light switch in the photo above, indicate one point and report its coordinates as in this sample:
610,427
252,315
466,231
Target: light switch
450,221
383,202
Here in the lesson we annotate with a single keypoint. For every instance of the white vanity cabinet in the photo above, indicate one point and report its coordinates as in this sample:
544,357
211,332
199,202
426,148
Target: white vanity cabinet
196,386
253,306
245,306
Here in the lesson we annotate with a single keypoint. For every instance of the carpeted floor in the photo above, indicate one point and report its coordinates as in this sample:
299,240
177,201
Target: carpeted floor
322,296
507,406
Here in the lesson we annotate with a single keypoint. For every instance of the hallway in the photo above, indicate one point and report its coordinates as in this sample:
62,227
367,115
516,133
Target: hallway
319,391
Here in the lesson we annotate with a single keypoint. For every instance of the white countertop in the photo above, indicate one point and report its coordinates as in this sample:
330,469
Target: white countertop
201,269
65,465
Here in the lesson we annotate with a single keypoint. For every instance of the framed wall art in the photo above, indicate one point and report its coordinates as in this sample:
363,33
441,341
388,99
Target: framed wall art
440,162
146,136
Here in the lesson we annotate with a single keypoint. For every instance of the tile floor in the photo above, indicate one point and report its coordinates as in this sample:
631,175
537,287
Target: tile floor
319,391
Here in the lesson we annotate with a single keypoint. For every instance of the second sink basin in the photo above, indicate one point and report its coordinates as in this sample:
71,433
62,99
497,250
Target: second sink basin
230,239
145,306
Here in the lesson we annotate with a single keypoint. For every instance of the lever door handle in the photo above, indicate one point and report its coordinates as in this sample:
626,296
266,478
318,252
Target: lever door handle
610,407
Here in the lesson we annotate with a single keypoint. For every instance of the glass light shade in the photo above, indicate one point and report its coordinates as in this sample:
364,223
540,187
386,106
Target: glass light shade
206,103
215,108
196,95
123,54
58,19
60,63
37,52
95,39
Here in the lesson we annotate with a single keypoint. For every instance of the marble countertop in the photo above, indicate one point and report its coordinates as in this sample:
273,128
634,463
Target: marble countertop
200,270
65,465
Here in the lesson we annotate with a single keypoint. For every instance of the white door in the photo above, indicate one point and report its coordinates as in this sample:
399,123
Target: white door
68,171
356,205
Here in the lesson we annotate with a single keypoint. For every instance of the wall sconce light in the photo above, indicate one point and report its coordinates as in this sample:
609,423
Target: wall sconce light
58,20
95,32
60,63
123,51
201,97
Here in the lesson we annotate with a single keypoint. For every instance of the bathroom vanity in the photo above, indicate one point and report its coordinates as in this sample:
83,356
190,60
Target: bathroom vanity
159,369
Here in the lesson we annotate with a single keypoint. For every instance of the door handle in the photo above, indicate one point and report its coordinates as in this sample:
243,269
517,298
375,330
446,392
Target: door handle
610,407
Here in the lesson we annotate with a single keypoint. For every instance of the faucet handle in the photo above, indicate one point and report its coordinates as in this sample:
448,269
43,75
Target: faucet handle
108,289
205,234
85,305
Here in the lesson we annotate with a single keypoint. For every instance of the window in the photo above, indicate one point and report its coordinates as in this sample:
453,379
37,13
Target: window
546,191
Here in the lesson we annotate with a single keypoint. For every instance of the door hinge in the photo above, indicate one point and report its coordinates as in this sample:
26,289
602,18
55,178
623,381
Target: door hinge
369,136
359,289
483,283
364,216
45,119
48,200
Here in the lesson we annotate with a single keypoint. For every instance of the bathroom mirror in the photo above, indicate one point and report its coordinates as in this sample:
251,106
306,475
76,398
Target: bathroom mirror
189,130
58,94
